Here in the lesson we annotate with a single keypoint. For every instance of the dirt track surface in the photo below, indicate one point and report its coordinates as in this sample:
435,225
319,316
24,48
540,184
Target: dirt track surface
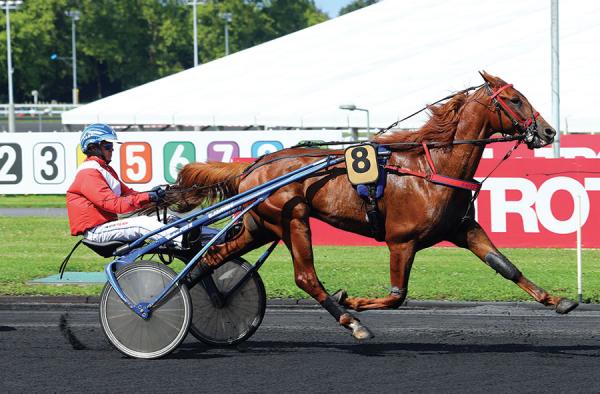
420,348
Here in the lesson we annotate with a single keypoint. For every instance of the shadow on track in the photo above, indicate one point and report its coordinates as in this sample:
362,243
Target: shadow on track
269,348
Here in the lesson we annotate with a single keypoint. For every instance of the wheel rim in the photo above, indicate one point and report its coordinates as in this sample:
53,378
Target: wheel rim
168,323
238,318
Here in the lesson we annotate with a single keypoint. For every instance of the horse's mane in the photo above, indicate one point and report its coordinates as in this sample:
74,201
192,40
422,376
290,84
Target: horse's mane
440,127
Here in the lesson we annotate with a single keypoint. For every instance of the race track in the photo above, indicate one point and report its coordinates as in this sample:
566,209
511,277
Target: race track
422,348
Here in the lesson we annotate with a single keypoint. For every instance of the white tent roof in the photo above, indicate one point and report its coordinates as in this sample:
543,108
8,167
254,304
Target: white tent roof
390,58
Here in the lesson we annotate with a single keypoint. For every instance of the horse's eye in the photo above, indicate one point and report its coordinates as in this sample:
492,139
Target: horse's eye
515,100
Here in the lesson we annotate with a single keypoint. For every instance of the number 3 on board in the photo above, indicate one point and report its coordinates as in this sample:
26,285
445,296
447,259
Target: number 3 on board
48,163
361,164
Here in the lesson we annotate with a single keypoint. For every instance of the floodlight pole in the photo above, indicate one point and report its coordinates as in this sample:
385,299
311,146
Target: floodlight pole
194,4
352,107
227,17
555,77
226,39
74,15
10,4
195,7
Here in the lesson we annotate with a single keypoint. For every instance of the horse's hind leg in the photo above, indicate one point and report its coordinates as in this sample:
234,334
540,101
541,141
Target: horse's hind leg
401,258
250,237
473,237
295,232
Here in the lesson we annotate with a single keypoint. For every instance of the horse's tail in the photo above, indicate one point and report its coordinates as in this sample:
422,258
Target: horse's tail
205,183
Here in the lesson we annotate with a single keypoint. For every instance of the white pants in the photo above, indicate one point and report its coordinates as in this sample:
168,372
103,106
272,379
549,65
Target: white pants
130,229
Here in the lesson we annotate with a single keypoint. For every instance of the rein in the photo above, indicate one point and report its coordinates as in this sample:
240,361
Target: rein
396,123
255,164
480,141
527,126
476,194
483,141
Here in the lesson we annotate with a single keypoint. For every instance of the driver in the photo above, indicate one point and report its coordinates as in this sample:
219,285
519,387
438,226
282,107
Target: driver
97,195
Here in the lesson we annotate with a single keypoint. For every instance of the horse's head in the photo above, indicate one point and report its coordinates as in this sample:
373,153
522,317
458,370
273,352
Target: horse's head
513,114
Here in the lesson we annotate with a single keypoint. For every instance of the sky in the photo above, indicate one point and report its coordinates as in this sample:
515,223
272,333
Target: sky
331,7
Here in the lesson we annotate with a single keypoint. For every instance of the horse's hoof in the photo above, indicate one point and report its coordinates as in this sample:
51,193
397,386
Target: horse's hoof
360,332
565,306
340,296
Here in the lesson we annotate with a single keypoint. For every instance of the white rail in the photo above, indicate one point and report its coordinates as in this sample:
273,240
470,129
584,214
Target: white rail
37,109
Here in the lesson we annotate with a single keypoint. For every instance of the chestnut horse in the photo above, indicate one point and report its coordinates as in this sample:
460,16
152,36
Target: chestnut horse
415,212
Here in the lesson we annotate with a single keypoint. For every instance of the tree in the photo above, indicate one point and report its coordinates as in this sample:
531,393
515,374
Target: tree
125,43
34,32
290,16
356,5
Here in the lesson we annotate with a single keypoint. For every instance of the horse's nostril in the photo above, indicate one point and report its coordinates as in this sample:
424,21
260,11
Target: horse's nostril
549,132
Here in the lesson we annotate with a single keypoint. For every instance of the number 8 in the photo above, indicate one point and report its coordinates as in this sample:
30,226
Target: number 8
359,155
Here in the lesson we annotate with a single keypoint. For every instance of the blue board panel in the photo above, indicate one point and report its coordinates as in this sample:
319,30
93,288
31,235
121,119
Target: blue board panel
72,278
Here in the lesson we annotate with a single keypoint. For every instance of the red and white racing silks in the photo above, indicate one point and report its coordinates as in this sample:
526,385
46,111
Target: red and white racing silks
97,195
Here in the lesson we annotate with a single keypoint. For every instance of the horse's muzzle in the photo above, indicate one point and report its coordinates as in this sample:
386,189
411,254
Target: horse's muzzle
542,136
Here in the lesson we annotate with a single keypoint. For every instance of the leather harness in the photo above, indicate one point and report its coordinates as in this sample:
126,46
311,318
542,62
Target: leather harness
372,192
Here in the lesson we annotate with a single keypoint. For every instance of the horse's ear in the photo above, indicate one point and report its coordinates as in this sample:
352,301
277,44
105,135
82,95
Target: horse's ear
494,82
490,79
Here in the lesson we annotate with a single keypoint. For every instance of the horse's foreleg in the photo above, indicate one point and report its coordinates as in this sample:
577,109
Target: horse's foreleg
401,258
474,238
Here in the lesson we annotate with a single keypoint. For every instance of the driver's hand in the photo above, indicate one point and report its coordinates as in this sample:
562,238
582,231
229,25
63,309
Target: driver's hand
157,194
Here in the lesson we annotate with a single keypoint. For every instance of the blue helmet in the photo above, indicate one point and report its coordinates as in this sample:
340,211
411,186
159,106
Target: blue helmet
94,134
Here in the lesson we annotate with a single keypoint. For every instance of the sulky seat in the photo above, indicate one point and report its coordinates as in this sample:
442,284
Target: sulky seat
104,249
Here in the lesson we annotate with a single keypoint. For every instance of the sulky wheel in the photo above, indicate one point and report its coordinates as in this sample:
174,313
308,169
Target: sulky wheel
169,320
238,316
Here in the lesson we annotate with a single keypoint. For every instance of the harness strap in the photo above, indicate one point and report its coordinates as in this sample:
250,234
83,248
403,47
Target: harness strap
63,265
428,157
453,182
434,177
509,85
372,192
373,216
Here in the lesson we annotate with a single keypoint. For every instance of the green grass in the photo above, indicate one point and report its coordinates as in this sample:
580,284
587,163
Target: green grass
32,201
33,247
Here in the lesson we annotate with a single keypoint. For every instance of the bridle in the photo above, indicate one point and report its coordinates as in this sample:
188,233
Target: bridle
527,127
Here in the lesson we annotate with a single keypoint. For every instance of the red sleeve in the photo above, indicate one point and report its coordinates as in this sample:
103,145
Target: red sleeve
127,191
97,191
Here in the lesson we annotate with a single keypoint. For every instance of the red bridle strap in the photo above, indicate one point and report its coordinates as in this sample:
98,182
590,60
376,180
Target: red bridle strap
497,92
515,117
434,177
